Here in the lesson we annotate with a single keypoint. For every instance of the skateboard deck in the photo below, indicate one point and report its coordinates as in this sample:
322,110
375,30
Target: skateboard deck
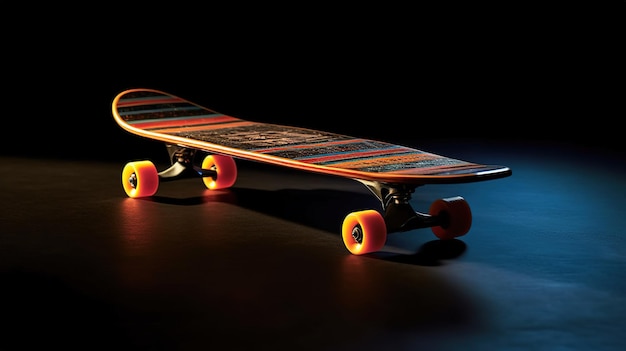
205,142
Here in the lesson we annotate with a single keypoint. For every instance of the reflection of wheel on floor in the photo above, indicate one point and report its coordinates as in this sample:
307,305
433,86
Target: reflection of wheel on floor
140,179
226,171
457,214
364,232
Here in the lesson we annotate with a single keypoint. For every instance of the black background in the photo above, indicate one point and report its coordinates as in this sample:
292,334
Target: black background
477,72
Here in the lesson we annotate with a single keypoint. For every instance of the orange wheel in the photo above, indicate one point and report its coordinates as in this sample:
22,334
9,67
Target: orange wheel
226,171
457,214
364,232
140,179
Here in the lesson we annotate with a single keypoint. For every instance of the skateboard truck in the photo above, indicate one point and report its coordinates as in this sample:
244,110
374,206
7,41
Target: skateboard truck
141,178
366,231
399,215
183,165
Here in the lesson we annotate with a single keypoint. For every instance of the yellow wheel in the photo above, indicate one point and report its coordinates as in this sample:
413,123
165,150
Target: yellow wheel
226,171
140,179
364,232
457,217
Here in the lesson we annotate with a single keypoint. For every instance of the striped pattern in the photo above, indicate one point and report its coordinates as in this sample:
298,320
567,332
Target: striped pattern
170,116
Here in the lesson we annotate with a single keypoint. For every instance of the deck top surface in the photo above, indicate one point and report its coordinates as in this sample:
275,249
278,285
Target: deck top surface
171,119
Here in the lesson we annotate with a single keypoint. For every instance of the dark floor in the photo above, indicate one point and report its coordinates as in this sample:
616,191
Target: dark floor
262,265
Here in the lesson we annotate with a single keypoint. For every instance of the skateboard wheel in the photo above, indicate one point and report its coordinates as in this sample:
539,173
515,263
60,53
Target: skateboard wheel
364,232
456,214
225,169
140,179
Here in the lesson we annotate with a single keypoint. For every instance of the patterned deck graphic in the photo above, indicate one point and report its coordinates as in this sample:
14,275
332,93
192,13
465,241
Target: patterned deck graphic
157,112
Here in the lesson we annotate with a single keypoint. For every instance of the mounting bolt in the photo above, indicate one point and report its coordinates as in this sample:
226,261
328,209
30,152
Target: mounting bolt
357,234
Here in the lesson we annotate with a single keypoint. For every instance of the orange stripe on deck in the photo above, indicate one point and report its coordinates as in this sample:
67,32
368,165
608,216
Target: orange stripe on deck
381,161
436,169
308,146
203,127
356,154
152,124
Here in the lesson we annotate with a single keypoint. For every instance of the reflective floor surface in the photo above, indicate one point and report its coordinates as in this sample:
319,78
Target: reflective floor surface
262,265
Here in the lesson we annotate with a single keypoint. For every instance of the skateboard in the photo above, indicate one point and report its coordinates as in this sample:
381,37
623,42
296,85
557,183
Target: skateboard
205,144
